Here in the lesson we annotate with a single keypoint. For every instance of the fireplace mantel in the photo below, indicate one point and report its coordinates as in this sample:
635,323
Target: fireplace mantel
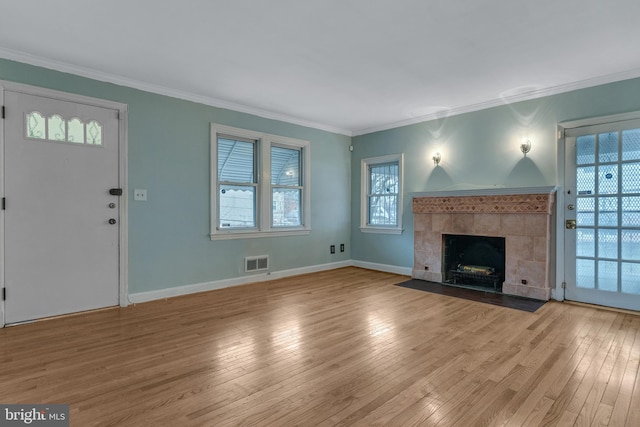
523,216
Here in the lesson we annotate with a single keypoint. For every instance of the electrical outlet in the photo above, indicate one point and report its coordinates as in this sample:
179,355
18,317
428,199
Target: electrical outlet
341,247
332,249
140,195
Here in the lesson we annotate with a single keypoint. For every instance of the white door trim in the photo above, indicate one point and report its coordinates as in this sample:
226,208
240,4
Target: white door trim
122,175
558,293
563,127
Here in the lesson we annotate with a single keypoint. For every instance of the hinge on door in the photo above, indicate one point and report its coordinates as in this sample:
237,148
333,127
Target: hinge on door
4,203
3,112
564,285
4,294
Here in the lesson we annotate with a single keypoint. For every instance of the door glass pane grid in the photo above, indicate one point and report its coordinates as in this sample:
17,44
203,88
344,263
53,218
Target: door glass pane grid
585,180
630,278
585,243
631,211
608,147
631,144
599,214
585,149
586,211
608,211
630,245
585,273
608,179
608,243
631,177
608,276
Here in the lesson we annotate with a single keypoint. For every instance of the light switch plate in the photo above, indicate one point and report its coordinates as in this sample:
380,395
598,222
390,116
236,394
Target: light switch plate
140,195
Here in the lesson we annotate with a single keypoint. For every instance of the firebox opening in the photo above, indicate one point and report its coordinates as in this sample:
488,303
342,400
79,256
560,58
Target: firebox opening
476,261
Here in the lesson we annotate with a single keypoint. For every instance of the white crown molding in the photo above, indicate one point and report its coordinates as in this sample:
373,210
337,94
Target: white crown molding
219,103
161,90
526,96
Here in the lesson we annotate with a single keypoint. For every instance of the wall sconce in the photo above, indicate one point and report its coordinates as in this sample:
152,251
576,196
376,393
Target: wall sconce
436,158
525,146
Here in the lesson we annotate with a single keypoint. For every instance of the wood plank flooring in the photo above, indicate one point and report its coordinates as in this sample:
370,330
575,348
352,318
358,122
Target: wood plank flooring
343,347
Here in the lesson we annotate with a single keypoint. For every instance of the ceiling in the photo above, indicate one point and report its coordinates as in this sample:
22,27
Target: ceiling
349,66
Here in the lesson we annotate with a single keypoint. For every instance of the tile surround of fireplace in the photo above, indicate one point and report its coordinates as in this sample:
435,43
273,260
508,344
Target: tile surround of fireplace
523,216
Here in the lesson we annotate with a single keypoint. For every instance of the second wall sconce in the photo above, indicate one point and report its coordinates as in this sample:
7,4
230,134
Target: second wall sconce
436,158
525,146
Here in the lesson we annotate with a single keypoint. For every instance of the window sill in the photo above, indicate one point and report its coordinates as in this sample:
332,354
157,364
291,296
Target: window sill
231,235
381,230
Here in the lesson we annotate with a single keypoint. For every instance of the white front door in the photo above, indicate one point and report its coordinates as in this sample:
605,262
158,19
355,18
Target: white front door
61,224
602,196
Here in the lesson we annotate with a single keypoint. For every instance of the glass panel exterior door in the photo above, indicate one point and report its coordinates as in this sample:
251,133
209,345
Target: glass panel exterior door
603,197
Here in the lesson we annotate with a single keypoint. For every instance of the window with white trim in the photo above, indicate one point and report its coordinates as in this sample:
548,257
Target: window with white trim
260,184
381,194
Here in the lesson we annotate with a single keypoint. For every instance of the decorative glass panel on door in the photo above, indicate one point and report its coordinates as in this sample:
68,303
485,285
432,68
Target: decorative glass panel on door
608,211
76,131
57,128
94,133
35,126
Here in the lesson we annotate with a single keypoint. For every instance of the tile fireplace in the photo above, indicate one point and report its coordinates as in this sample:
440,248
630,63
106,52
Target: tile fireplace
523,217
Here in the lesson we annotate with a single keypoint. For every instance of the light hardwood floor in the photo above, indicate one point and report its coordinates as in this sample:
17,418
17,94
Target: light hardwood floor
342,347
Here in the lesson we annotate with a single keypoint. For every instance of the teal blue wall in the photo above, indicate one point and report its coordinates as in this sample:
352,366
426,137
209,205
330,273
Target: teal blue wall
169,156
479,149
169,242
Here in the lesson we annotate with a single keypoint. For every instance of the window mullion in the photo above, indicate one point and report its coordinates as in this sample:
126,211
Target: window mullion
264,168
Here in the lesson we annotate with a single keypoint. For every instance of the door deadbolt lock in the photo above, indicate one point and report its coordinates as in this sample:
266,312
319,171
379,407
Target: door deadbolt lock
112,221
571,224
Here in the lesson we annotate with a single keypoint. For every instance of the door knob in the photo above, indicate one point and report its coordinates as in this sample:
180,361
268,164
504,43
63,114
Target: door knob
571,224
112,221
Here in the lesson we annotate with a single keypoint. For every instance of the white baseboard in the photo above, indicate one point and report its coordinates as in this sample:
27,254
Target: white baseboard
405,271
140,297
